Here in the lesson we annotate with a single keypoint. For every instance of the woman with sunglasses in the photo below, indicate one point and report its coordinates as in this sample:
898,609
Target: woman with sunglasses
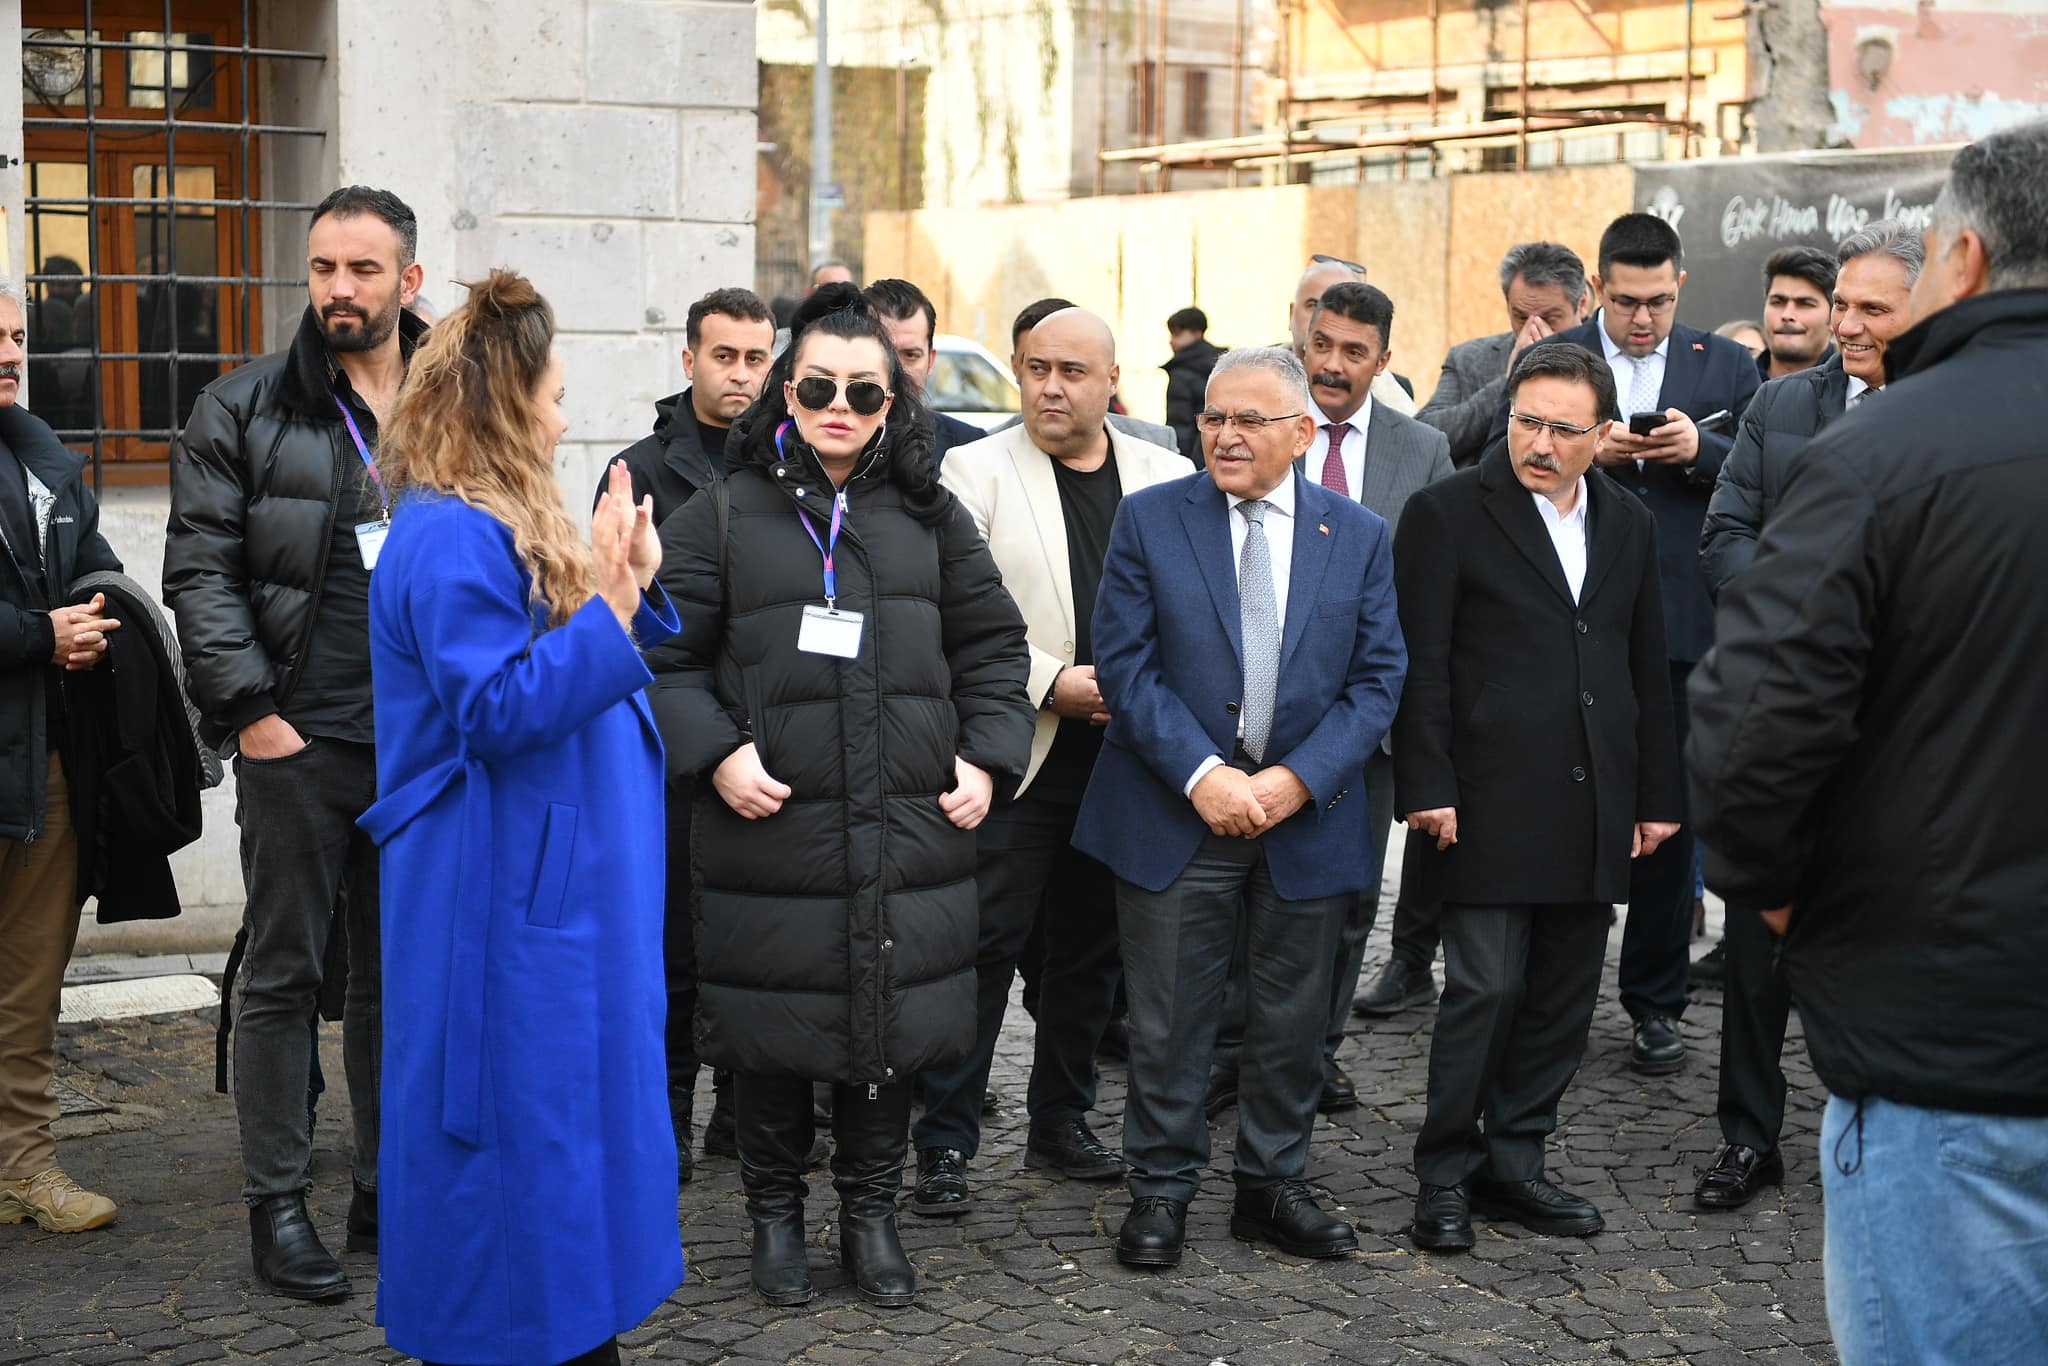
850,678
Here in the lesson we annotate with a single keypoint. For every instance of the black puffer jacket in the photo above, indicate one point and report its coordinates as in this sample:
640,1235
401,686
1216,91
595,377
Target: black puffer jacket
1783,418
256,480
69,522
1869,734
836,939
669,464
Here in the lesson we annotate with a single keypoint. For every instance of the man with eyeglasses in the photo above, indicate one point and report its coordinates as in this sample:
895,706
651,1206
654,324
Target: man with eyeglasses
1392,391
1250,660
1536,748
1679,393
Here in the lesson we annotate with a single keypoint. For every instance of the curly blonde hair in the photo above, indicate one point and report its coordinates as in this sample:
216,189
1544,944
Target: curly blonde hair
465,426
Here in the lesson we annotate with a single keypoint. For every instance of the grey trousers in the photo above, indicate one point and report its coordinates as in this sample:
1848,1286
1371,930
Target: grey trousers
1177,949
302,857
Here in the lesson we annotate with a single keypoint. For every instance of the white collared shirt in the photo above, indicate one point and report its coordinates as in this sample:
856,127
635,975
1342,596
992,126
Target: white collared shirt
1280,555
1569,536
1856,391
1354,449
1625,366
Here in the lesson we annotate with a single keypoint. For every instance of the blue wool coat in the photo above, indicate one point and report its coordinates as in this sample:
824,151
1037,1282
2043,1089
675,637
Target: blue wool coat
527,1177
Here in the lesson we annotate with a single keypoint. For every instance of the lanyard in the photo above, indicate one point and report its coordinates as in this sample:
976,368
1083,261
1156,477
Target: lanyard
362,449
830,543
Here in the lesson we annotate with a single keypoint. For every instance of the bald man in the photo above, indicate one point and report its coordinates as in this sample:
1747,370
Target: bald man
1044,494
1390,390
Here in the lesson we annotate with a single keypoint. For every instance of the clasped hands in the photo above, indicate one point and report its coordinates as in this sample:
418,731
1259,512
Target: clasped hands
1441,823
625,549
744,783
1233,802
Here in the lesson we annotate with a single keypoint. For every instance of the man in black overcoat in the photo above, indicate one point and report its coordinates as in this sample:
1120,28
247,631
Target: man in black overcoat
1536,744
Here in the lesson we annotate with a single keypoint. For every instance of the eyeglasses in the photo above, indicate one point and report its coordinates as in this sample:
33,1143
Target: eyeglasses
1322,260
1627,307
1251,424
818,392
1563,431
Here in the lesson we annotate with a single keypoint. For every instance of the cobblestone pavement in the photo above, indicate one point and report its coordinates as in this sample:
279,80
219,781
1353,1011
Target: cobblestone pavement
1030,1275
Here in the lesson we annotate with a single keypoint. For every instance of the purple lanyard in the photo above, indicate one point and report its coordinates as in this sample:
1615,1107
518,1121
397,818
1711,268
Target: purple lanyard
830,543
363,449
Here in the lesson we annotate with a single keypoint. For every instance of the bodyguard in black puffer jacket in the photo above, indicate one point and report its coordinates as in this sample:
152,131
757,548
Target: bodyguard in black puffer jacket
837,918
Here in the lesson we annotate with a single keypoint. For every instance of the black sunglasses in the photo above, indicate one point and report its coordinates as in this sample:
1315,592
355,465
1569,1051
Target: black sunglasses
864,396
1322,260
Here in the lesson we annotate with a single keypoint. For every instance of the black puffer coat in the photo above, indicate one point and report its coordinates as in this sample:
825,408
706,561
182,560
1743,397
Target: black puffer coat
255,483
836,939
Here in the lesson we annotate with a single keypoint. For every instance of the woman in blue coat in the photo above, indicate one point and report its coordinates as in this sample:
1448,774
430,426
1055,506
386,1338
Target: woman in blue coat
529,1171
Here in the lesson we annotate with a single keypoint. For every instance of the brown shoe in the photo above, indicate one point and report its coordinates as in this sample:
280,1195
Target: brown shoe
56,1202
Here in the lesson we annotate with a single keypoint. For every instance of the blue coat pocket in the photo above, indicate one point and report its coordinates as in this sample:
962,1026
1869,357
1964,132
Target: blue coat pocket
551,883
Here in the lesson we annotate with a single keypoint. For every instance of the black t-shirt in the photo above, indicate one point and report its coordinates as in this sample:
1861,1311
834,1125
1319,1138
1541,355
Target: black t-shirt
1088,505
712,439
332,695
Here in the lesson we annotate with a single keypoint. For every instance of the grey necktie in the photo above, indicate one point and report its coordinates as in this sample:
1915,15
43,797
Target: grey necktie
1642,387
1260,618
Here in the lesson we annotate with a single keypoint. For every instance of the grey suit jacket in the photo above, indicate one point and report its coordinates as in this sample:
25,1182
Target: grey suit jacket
1467,394
1129,426
1401,456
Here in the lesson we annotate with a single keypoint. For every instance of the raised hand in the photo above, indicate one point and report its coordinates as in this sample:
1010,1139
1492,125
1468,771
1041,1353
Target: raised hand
611,550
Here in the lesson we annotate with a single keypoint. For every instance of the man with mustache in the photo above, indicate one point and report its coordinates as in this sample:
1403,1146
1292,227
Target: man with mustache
1535,747
728,344
1798,283
277,516
49,537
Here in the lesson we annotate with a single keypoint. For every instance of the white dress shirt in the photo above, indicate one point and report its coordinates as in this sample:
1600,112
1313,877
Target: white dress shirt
1568,535
1856,391
1280,554
1625,366
1354,449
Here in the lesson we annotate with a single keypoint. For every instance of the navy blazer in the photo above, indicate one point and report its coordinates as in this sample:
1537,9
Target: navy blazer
1703,374
1169,659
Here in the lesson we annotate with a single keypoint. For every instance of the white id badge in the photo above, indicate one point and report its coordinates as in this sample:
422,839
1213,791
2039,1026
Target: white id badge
827,631
370,541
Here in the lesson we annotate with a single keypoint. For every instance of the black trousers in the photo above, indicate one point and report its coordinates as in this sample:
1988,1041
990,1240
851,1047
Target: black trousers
1030,877
1520,984
1755,1005
679,947
1416,933
1364,910
1656,943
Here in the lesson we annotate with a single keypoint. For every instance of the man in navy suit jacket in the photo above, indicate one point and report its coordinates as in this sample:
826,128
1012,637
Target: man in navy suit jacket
1685,376
1246,694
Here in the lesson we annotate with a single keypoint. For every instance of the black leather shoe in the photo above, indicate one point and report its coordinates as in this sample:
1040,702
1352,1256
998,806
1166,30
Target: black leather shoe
941,1191
362,1221
1657,1048
1338,1092
1710,969
1736,1176
1153,1232
1116,1042
1286,1215
1222,1091
1537,1206
1443,1219
1072,1149
288,1254
990,1102
721,1138
1400,986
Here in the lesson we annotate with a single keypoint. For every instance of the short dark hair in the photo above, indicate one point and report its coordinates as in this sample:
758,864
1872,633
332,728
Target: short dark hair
743,304
1810,264
1642,240
1189,319
1567,361
898,300
350,200
1033,314
1545,263
1998,187
1360,302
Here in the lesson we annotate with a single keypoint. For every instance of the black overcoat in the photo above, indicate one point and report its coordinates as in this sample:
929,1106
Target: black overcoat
1546,723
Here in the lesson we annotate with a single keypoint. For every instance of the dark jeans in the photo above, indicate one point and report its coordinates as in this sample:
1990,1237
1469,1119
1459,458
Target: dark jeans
1755,1005
1656,943
1177,948
1028,874
679,948
1520,984
302,857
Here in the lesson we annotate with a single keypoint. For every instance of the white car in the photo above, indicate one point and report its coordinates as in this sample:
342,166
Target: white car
969,383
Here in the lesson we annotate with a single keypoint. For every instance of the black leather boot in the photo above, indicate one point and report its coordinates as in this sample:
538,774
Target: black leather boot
288,1255
362,1221
870,1139
772,1121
